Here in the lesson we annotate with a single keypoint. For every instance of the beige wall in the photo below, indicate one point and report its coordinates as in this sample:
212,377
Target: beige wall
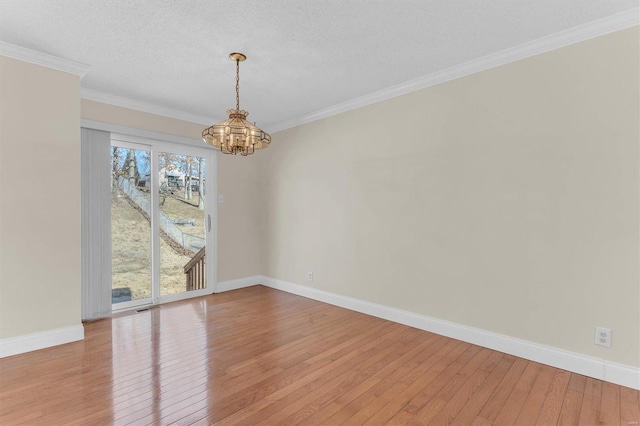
40,199
239,217
98,111
506,200
238,181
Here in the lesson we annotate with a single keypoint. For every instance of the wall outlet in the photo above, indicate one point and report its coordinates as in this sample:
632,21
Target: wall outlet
310,276
603,337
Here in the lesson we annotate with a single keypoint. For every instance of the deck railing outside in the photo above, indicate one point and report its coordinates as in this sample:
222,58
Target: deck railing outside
195,271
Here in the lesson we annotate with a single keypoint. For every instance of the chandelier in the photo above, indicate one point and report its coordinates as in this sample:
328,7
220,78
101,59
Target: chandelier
236,135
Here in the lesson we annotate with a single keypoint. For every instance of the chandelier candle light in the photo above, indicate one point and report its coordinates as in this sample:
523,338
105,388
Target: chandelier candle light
236,135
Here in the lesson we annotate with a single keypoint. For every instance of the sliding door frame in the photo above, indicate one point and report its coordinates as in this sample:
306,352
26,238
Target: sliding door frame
131,304
159,142
155,147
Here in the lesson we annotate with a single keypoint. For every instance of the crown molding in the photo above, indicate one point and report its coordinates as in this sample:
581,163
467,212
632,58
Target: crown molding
617,22
574,35
43,59
106,98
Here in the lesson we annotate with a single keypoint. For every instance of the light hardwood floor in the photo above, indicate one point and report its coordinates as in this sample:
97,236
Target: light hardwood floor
261,356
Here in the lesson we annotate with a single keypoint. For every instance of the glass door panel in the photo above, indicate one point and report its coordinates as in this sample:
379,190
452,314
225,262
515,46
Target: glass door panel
182,221
130,227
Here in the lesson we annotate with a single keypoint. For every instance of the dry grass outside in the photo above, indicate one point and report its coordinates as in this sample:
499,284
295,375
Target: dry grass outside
131,248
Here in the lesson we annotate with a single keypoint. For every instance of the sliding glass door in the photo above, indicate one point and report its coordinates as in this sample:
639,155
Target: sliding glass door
131,254
183,222
161,220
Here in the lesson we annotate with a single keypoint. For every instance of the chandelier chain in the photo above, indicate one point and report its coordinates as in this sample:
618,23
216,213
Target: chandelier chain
237,84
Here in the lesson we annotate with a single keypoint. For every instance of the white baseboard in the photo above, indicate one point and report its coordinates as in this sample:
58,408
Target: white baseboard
43,339
559,358
239,283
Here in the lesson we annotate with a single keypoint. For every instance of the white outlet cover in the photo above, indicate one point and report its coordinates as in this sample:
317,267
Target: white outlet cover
603,337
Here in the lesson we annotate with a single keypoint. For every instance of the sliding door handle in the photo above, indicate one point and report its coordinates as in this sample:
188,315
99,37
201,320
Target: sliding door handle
209,222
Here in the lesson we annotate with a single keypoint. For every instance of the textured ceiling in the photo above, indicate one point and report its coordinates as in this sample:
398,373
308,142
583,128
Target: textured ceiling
303,55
